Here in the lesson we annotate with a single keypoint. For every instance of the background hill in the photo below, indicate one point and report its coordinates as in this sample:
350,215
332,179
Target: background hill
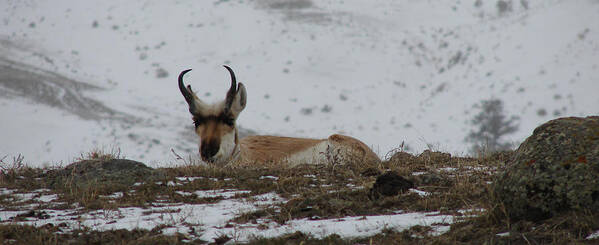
78,75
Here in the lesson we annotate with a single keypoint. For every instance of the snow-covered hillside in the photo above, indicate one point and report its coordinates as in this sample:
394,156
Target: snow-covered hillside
385,72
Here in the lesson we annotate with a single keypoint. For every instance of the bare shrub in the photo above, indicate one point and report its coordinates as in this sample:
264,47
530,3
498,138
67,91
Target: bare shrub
491,127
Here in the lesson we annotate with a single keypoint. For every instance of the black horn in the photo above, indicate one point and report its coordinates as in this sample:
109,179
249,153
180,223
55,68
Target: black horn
187,92
232,91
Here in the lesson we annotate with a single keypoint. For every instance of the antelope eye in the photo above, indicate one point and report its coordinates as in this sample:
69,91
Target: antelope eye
229,121
197,121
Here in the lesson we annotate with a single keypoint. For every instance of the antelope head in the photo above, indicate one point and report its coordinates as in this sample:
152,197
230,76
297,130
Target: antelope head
215,123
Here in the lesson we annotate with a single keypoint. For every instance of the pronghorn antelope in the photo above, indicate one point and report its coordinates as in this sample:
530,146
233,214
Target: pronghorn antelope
220,143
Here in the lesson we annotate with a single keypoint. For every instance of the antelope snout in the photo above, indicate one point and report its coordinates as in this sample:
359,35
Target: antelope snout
208,150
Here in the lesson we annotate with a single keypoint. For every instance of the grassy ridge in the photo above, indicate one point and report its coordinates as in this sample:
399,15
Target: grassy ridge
453,184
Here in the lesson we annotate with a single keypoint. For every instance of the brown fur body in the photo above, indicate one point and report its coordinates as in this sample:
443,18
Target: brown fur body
292,151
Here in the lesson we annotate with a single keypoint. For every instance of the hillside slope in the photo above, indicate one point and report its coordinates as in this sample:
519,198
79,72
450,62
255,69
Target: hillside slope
383,72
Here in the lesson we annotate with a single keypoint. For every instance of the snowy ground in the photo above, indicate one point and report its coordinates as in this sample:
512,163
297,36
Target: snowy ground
208,221
384,72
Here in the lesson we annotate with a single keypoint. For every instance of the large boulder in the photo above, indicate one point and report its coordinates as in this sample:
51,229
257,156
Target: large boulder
554,170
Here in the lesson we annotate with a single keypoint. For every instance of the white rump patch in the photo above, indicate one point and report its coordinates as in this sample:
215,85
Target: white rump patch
316,154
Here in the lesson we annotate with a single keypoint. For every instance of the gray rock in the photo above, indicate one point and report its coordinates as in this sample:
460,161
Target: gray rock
104,171
554,170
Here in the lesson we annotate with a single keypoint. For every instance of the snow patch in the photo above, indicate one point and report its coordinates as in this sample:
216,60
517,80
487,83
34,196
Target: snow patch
593,235
214,219
420,193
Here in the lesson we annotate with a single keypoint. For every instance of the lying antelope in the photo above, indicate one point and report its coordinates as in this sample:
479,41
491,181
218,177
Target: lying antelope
220,143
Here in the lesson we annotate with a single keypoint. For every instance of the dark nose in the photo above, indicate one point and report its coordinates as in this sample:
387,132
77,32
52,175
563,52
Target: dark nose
209,149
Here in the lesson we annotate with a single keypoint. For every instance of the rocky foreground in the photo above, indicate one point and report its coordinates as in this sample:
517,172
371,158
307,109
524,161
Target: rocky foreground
546,191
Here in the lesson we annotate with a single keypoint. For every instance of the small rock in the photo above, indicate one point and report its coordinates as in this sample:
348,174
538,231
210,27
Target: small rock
389,184
435,156
103,171
402,157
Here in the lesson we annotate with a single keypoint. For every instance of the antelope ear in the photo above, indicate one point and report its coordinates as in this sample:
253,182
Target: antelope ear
239,101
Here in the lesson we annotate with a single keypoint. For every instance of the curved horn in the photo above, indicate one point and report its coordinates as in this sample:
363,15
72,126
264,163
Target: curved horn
187,93
233,90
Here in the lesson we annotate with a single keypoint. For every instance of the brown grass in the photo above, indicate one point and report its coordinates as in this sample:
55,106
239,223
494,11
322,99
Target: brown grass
316,192
25,234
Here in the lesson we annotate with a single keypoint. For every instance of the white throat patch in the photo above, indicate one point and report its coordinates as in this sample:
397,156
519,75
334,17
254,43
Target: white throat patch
226,149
